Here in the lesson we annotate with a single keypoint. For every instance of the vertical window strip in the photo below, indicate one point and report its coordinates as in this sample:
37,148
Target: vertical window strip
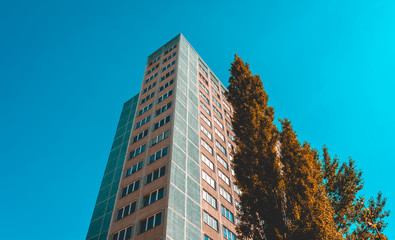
210,199
134,168
209,180
206,132
130,188
210,220
161,153
155,175
127,210
207,162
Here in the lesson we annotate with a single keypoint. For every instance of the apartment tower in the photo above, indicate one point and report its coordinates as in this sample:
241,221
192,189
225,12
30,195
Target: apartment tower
169,172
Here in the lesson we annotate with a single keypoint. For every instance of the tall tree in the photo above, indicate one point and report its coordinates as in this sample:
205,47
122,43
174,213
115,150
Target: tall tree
354,220
256,164
308,211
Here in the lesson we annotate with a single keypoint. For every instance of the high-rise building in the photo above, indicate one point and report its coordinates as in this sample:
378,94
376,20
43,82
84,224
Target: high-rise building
169,172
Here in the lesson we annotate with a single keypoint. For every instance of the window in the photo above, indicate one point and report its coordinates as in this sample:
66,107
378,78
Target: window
159,154
223,177
168,66
217,112
228,234
233,172
162,109
216,102
202,69
229,125
149,87
169,57
231,146
207,237
150,78
162,122
154,196
154,61
204,97
137,151
146,108
166,85
123,234
230,135
204,130
218,123
140,135
203,78
170,49
127,210
130,188
167,75
210,199
205,108
204,88
164,96
208,179
236,189
220,147
206,146
225,194
216,94
134,168
227,106
150,222
142,122
211,221
160,137
212,81
205,119
219,134
147,97
152,69
227,114
228,214
155,175
222,161
207,162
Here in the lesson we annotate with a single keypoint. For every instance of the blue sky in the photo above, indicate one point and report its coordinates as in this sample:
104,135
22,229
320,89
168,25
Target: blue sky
66,67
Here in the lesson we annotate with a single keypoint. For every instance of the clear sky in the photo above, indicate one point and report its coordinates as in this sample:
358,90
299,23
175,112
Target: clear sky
66,67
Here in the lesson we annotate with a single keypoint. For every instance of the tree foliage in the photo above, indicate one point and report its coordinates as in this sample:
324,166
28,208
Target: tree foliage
288,190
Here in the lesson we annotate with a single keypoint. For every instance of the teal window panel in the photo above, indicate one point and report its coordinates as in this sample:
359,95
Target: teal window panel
193,87
193,213
192,68
182,98
103,235
107,179
183,66
192,121
193,170
175,226
110,204
193,136
114,154
118,172
181,109
182,76
193,189
106,221
104,194
183,56
111,165
194,99
180,123
121,160
99,210
124,147
177,177
114,188
95,227
193,152
177,200
120,131
179,139
192,232
181,86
